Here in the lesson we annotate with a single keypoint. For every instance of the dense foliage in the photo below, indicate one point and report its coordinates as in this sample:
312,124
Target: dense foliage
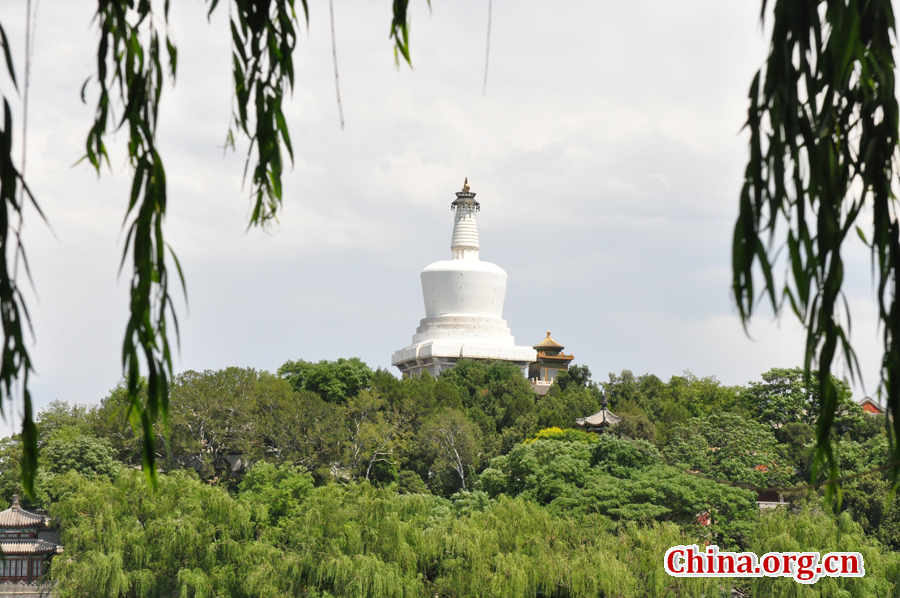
191,539
623,480
463,485
727,446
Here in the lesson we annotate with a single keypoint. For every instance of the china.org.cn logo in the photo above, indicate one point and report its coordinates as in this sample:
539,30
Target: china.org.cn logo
802,567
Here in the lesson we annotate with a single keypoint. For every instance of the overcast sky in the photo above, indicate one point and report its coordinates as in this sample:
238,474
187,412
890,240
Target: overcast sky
607,155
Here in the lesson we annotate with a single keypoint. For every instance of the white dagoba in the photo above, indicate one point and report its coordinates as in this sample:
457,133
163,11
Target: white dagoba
463,305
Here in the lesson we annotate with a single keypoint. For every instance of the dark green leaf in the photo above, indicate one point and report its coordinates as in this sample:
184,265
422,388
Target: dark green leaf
9,65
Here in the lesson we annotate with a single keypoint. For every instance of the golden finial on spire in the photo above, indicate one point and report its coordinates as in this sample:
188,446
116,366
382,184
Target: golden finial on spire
466,186
548,334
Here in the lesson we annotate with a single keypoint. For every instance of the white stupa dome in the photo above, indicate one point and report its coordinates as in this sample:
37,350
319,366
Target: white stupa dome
463,305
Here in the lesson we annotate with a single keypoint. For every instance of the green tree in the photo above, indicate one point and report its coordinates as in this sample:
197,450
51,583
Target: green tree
11,476
730,447
562,407
111,422
87,455
783,397
334,381
297,428
185,539
784,531
417,399
626,389
495,388
278,491
667,403
210,416
869,501
60,419
857,457
577,376
216,416
798,441
453,442
696,396
636,427
374,433
67,443
355,540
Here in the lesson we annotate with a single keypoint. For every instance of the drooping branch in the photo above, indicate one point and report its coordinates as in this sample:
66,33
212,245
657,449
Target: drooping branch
130,77
823,123
15,361
130,73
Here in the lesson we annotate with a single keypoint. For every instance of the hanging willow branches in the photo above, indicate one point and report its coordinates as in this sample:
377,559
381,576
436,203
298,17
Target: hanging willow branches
15,363
823,121
263,41
134,54
129,66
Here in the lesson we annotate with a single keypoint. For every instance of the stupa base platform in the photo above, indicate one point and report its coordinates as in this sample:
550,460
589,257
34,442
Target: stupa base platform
436,357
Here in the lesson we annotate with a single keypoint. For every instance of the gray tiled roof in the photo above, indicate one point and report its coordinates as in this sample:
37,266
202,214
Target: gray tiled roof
15,516
602,417
30,547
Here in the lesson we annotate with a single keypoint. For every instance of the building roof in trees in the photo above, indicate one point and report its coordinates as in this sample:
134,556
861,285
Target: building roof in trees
16,516
604,417
601,419
870,406
30,547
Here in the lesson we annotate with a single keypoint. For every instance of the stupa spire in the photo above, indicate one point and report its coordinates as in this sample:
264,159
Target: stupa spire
464,243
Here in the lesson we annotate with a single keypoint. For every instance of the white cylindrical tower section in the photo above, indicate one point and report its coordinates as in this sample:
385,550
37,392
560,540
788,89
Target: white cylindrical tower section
464,286
464,242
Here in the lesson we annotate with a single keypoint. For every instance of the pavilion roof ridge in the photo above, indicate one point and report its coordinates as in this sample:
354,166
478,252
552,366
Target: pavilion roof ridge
16,516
